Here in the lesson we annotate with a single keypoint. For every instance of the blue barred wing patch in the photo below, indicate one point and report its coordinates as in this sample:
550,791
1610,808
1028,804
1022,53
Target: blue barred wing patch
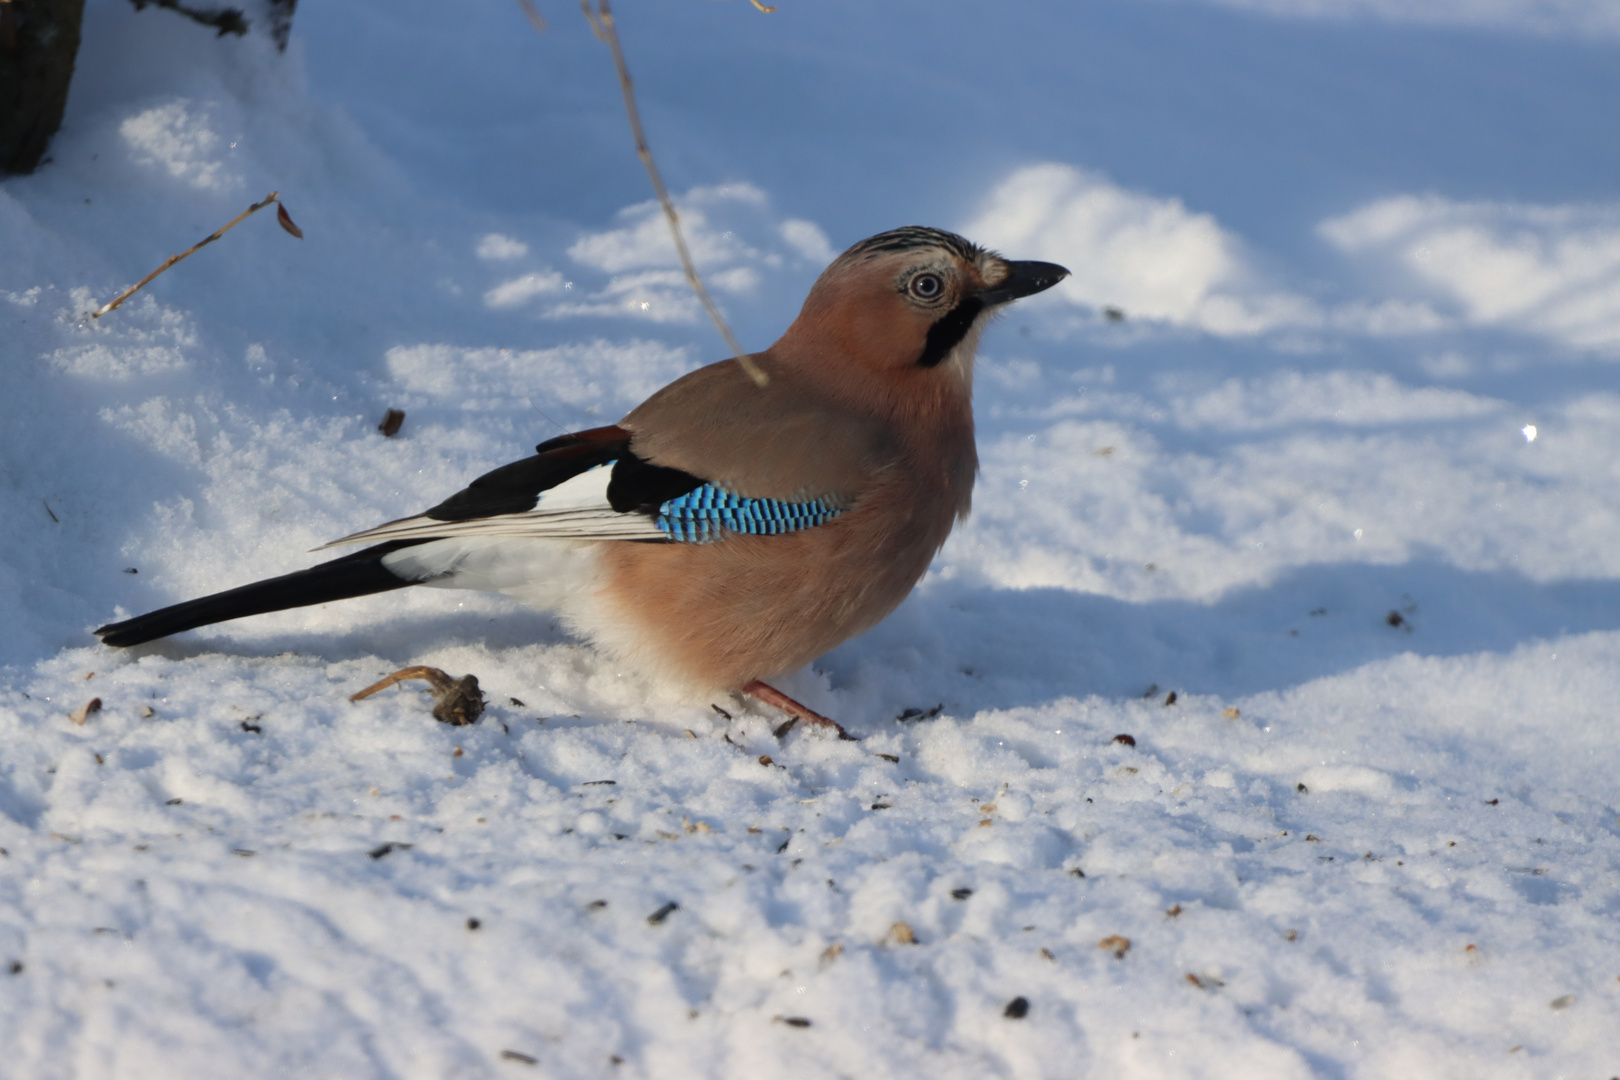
709,512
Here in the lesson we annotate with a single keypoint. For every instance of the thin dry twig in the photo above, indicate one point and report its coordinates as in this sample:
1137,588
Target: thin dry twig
281,213
456,702
601,20
536,20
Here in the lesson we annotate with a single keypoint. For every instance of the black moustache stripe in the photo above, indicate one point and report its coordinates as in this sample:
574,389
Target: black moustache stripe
948,332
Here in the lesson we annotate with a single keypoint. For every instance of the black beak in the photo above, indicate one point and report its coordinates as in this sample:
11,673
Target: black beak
1023,279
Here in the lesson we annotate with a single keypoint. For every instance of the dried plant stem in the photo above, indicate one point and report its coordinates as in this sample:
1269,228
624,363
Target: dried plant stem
456,702
601,20
536,20
172,259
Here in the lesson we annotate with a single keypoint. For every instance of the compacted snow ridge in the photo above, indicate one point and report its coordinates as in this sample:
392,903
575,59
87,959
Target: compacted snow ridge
1261,721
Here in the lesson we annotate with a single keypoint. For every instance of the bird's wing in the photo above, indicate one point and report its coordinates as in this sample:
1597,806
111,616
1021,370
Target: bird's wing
784,440
561,492
591,485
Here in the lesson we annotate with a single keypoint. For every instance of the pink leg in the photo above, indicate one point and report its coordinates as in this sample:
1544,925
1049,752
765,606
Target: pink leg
773,697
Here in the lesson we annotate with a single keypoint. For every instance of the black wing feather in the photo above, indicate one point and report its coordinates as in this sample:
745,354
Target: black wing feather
516,488
359,574
510,489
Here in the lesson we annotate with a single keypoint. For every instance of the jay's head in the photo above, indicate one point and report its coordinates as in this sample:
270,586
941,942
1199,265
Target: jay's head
911,300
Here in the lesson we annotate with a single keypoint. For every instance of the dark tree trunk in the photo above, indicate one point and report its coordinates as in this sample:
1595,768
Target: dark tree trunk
39,40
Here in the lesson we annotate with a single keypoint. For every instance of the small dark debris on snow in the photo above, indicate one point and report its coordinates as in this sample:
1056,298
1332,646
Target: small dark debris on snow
457,702
961,894
1302,789
921,714
1170,698
784,846
1125,740
892,758
1312,838
130,570
1116,944
1395,618
882,805
765,759
719,710
515,703
1317,611
596,905
1151,691
1077,872
792,1021
780,731
513,1055
473,924
663,913
174,802
1173,910
251,728
392,421
246,853
1016,1009
1492,802
383,849
84,712
16,967
48,510
600,783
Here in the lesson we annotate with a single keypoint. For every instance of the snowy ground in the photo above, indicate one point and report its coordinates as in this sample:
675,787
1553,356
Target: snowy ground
1343,480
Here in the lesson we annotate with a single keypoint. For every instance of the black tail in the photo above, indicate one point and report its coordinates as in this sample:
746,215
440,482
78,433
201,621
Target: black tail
359,574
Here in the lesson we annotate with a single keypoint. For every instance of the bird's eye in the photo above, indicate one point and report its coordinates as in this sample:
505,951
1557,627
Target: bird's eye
927,286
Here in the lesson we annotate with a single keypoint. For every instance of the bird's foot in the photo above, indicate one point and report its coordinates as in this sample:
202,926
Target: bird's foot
773,697
456,702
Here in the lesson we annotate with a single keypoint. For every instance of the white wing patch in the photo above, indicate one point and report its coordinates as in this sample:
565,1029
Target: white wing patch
576,509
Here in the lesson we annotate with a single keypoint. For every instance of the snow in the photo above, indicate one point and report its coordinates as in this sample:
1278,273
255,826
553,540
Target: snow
1341,479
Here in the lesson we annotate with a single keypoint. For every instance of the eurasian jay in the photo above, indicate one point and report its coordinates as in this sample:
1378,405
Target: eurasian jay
723,532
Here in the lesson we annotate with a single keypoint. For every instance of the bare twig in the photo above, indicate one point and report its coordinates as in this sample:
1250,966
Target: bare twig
455,701
601,20
536,20
273,197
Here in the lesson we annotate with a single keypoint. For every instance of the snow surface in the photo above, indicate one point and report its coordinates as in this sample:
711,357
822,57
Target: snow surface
1343,479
